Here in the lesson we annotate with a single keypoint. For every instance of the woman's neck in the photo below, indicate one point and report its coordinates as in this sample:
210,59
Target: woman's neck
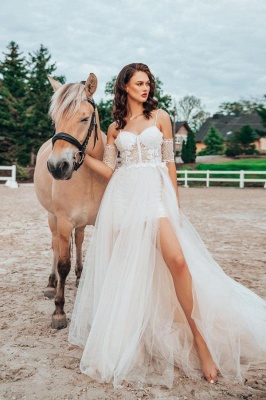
134,109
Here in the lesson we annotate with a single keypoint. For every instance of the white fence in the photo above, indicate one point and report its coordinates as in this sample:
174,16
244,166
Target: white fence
182,176
11,179
210,177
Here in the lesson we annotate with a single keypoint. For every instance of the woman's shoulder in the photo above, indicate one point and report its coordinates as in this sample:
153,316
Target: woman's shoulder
112,129
162,116
163,122
162,113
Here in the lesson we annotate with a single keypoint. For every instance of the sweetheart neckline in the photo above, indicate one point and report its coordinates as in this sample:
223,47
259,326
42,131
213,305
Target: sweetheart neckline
139,134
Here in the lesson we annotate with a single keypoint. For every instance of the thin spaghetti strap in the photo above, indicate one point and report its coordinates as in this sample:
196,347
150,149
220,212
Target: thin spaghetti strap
156,115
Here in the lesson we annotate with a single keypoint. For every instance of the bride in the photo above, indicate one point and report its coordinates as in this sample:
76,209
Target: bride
151,297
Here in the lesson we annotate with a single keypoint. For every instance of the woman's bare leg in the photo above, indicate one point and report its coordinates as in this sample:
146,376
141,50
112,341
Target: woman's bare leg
174,259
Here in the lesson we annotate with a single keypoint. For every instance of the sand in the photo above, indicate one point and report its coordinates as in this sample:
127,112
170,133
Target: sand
37,362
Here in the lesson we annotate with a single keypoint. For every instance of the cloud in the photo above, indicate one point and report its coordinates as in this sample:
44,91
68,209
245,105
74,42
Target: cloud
213,50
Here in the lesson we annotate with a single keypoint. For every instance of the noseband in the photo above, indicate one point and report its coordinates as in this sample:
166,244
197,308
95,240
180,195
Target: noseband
82,147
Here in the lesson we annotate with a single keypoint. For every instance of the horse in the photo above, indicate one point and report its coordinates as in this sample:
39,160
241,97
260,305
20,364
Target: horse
69,191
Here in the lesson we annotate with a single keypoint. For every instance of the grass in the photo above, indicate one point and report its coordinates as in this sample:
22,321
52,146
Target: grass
237,165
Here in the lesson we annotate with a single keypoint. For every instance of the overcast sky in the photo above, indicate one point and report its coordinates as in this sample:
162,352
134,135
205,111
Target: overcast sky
215,50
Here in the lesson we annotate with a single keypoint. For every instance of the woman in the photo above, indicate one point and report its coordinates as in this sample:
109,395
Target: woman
151,296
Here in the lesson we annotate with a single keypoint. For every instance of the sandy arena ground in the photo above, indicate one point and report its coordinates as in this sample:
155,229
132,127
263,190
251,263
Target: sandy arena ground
37,362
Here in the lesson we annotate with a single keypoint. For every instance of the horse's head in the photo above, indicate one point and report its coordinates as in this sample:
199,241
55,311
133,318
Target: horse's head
73,112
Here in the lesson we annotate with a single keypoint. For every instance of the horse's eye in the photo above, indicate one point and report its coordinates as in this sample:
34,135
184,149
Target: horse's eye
85,119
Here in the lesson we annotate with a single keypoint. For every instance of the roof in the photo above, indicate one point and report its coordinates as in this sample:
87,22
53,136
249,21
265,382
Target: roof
179,125
229,123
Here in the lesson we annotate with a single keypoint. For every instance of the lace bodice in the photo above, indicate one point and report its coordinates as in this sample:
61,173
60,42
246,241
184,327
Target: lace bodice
149,147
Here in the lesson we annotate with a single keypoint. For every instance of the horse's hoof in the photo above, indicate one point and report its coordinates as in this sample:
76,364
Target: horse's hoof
59,321
49,292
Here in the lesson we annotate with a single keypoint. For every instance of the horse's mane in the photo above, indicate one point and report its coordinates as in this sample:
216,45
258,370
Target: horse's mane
66,100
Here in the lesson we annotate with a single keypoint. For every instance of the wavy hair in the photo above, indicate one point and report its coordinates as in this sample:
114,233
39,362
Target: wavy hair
120,100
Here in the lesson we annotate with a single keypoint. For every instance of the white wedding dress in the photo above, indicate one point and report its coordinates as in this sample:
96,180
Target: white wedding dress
126,314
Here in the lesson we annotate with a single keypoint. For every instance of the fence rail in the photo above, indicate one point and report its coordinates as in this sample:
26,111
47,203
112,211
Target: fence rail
10,179
209,177
182,175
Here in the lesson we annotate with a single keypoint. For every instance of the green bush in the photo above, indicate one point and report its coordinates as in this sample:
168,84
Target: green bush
22,173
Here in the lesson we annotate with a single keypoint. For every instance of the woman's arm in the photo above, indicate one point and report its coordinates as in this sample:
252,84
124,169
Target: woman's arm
107,166
165,126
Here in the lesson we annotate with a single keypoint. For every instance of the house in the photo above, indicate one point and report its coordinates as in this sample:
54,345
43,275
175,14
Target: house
227,124
181,130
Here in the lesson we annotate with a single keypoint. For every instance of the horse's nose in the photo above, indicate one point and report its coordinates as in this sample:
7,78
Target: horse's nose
60,169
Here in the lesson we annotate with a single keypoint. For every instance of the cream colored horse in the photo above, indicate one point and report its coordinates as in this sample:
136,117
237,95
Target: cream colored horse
72,198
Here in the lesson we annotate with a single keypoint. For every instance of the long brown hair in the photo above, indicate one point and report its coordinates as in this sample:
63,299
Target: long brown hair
120,99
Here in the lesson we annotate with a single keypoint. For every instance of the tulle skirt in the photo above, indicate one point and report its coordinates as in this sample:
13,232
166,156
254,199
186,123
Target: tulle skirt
126,314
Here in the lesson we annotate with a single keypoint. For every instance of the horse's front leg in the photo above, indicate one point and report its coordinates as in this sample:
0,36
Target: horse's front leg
64,229
79,237
51,287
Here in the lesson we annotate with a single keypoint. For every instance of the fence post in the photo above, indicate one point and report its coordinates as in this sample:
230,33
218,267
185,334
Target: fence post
186,185
11,182
207,178
241,179
13,174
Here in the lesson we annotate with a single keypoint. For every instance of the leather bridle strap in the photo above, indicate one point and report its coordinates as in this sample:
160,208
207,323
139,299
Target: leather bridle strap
82,147
67,138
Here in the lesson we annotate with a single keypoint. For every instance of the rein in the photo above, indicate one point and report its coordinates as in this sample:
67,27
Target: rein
82,147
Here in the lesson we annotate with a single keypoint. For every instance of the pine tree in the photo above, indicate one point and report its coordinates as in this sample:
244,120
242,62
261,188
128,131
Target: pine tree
105,113
184,152
191,147
247,138
214,142
262,113
40,91
13,105
188,152
241,142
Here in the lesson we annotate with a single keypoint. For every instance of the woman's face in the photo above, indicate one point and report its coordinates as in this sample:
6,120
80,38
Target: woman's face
138,87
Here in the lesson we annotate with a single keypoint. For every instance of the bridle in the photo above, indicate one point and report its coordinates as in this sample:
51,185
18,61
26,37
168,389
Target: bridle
70,139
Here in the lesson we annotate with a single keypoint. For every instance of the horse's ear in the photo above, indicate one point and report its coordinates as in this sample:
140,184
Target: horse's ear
91,85
55,84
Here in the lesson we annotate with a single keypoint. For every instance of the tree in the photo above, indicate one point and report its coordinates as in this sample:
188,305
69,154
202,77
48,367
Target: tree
13,103
191,110
188,152
184,152
110,87
241,142
247,138
240,107
165,101
214,142
39,125
262,113
105,107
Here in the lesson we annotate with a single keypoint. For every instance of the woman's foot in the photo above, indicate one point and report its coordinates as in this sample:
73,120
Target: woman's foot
208,366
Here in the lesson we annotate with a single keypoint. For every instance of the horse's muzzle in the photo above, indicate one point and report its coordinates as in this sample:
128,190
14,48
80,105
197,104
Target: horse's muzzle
62,170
